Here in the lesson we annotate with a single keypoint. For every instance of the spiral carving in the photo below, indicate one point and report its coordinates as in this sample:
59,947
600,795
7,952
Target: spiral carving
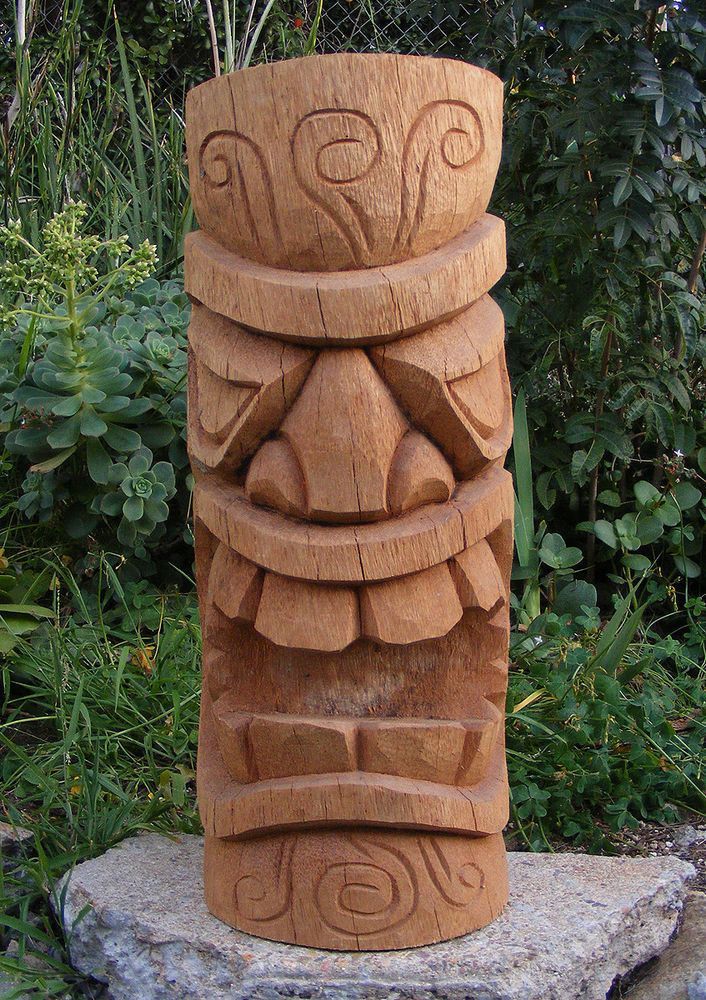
370,895
334,150
457,887
233,166
445,137
267,895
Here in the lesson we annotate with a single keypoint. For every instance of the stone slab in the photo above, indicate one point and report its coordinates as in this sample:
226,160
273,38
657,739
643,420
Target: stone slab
574,925
680,974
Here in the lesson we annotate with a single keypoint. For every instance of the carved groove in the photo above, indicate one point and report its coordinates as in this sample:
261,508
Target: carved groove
324,189
416,182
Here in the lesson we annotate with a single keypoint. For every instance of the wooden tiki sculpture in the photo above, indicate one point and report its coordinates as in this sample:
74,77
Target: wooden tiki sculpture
349,416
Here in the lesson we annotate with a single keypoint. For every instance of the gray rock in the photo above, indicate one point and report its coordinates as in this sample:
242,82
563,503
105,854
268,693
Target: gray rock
14,842
690,836
574,924
697,987
681,971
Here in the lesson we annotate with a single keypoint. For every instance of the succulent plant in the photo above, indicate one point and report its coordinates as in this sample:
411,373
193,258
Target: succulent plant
142,490
92,386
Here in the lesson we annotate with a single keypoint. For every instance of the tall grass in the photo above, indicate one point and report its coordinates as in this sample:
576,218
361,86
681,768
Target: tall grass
86,126
98,742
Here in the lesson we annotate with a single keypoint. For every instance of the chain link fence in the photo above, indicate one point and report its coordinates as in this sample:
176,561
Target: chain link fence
171,47
416,28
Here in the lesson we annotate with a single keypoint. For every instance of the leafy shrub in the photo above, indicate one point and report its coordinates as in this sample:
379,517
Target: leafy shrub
94,370
606,727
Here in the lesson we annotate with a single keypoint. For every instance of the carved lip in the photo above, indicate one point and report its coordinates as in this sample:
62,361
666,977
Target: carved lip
347,307
422,538
231,810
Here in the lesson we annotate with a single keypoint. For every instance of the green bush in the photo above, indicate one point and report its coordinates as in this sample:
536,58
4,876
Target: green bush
94,372
606,726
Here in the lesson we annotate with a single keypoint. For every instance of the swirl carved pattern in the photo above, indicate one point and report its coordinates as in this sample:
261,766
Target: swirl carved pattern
362,889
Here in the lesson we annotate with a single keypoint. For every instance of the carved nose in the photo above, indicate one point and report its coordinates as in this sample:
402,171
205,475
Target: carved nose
345,452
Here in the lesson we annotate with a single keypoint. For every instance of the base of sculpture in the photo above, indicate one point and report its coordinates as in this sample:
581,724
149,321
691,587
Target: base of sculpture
136,919
357,889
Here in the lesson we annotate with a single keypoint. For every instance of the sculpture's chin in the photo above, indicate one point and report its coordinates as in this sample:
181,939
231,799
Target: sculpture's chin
361,888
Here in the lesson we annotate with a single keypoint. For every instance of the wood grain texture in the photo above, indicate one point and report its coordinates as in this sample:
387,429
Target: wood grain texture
367,161
359,890
349,411
351,307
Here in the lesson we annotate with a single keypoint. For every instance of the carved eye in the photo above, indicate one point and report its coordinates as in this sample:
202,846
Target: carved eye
459,146
344,160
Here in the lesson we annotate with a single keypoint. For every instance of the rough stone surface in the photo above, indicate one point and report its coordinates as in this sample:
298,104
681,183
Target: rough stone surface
14,841
680,974
574,925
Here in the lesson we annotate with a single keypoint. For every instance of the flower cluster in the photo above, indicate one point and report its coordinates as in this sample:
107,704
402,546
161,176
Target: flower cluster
66,266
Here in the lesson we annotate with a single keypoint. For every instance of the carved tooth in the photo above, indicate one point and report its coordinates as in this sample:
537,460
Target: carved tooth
285,745
234,585
232,735
481,736
426,749
410,608
478,580
302,615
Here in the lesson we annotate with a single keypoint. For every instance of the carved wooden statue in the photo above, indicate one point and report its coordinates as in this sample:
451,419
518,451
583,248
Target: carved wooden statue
349,416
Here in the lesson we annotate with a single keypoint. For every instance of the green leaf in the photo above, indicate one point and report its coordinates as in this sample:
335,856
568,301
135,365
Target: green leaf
127,533
140,462
604,531
637,562
67,407
687,495
609,498
133,508
158,434
646,494
78,522
622,190
648,528
98,461
122,439
49,464
687,567
573,596
66,434
27,609
616,637
524,496
91,423
555,553
112,504
668,513
164,474
621,233
118,472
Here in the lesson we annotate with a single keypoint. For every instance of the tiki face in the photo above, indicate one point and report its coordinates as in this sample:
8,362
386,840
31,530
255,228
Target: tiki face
353,520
